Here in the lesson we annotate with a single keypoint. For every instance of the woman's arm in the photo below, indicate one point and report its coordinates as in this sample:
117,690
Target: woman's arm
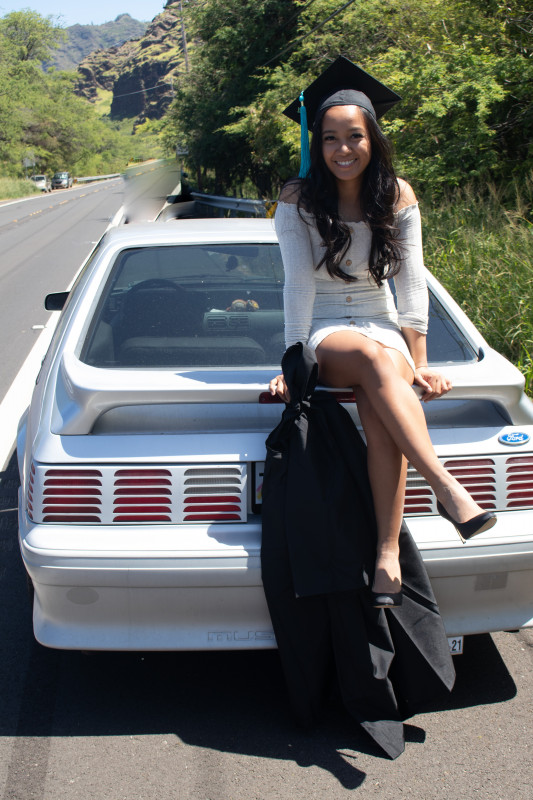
431,381
412,298
296,252
412,295
299,287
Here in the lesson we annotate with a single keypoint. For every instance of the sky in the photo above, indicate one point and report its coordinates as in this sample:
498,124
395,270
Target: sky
71,12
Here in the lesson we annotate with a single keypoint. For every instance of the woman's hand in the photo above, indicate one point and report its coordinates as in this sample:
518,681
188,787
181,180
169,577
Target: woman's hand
432,382
278,386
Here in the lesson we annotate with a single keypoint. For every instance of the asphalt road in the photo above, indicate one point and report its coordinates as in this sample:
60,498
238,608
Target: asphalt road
210,726
43,242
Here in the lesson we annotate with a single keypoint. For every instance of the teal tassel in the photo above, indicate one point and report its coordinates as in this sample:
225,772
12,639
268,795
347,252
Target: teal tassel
305,156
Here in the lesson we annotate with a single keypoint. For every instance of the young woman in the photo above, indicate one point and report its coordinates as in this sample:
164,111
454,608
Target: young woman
344,228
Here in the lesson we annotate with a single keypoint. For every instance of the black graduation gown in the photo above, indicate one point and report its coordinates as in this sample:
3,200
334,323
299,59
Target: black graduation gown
318,555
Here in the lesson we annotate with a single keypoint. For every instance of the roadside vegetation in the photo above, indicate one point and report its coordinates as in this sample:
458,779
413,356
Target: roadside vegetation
44,125
481,249
12,188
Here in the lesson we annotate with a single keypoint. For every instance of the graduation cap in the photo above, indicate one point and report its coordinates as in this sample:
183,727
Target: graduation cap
341,84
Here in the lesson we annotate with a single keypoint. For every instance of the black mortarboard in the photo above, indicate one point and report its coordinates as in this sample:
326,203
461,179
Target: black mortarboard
343,83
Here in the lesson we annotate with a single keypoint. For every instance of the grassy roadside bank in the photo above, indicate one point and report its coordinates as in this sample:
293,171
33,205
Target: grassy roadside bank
13,188
482,252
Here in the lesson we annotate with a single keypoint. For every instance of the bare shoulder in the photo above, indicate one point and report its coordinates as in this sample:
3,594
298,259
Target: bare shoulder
291,192
406,195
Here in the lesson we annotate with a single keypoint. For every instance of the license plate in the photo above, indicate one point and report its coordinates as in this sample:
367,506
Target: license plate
456,645
257,485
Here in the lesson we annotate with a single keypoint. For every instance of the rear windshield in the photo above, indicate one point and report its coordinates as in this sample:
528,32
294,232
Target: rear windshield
209,306
190,305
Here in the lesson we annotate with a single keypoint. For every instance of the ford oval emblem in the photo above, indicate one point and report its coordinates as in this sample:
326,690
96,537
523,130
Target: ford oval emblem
514,438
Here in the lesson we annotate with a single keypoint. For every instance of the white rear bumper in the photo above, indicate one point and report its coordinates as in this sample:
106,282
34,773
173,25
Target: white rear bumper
198,587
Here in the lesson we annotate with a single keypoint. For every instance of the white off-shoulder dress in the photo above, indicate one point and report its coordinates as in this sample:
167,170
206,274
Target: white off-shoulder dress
317,304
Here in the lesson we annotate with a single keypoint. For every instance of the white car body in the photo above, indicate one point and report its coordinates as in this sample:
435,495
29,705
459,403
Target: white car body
61,180
41,182
182,571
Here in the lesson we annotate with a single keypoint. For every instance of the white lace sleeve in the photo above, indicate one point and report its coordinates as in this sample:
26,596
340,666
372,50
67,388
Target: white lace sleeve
410,283
299,289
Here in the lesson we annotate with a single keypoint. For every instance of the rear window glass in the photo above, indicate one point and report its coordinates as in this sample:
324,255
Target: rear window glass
210,306
190,306
445,342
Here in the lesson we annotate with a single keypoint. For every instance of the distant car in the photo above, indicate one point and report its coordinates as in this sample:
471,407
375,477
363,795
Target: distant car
62,180
141,455
42,182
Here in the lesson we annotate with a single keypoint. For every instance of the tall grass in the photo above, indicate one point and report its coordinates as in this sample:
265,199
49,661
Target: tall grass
482,252
11,188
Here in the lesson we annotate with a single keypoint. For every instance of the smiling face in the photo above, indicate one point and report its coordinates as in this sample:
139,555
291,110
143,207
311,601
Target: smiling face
346,146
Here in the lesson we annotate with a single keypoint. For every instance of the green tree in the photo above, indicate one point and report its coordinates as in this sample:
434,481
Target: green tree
232,39
39,111
31,36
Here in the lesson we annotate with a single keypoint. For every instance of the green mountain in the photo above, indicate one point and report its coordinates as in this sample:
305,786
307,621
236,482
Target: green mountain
84,39
135,79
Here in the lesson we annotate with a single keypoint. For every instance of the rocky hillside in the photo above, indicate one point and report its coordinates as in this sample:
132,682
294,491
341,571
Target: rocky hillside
138,73
84,39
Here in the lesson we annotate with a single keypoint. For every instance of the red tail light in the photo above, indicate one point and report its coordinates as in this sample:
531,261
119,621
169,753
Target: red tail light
478,475
71,495
142,495
519,481
139,495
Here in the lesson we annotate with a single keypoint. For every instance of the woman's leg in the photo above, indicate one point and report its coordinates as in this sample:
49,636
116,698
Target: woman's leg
387,471
351,359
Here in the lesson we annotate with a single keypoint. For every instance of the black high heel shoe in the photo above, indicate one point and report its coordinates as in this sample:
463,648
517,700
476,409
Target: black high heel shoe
466,530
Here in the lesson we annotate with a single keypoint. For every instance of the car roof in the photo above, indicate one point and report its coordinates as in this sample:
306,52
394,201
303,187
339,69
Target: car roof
193,231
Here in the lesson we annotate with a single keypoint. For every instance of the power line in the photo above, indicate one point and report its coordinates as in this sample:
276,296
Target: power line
306,35
141,91
289,46
151,88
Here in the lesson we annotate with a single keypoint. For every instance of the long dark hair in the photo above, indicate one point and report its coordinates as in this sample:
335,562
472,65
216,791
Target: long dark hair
379,193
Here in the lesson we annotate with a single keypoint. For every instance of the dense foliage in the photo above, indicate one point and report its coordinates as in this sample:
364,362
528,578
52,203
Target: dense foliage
42,121
482,251
463,67
232,40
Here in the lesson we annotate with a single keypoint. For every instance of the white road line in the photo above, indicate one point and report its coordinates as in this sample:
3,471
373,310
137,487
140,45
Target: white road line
20,200
19,394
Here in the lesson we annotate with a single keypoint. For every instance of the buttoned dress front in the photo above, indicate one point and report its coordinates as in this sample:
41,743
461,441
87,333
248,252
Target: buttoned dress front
317,304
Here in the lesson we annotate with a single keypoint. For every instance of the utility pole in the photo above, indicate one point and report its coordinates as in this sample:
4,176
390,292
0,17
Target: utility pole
184,38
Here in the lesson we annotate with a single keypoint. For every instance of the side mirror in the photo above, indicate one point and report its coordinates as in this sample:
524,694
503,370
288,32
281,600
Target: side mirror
55,301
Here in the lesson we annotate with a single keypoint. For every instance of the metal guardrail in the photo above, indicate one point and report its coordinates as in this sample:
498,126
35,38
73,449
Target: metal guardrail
255,208
97,177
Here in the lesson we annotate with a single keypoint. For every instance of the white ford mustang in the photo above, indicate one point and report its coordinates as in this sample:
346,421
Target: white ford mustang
141,454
